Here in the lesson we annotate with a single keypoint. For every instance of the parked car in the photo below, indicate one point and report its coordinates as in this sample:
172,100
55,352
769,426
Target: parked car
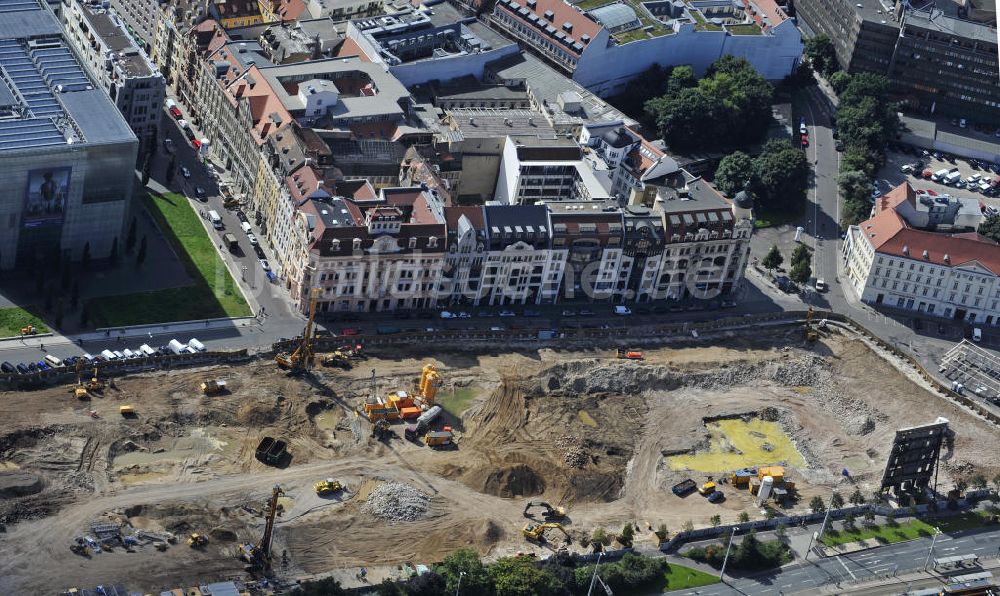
507,313
265,265
568,313
586,312
252,238
484,314
820,285
241,216
532,313
622,311
464,315
446,315
260,251
200,193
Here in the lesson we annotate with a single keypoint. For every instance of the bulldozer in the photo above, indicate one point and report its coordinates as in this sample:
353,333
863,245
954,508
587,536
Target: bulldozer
811,333
624,354
536,532
213,386
197,540
301,360
338,359
328,487
550,512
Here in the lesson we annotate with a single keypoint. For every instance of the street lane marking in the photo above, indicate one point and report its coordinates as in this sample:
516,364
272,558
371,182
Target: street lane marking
841,561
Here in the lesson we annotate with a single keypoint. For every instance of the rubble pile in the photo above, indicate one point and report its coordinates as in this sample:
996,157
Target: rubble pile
395,501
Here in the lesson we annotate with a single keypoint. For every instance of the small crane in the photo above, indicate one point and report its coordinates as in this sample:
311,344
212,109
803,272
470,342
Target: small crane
259,554
301,360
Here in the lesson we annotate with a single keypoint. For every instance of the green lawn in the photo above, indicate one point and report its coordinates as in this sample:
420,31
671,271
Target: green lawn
885,534
744,29
14,318
679,577
458,400
966,520
767,219
213,295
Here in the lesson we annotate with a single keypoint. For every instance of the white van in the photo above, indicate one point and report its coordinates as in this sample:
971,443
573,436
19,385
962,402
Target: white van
215,219
176,347
170,103
977,334
145,350
940,174
108,355
622,311
194,343
245,226
52,361
952,178
129,354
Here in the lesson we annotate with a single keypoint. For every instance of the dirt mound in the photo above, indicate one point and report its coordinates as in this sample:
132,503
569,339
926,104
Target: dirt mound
518,480
19,484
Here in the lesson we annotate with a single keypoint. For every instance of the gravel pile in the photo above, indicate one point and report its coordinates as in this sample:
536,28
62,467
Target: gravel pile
395,501
574,453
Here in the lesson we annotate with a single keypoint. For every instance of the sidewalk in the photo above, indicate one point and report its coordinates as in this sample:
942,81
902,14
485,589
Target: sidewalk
930,577
122,333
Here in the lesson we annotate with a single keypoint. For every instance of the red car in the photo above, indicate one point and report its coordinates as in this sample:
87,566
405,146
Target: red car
349,331
805,141
175,112
196,143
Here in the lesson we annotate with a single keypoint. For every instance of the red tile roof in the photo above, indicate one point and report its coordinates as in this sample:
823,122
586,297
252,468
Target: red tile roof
351,48
771,10
473,213
889,234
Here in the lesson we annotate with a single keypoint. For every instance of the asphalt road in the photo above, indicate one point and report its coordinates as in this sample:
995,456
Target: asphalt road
899,558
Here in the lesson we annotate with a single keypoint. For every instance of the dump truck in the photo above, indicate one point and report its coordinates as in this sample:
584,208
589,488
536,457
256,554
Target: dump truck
213,386
271,451
438,438
684,487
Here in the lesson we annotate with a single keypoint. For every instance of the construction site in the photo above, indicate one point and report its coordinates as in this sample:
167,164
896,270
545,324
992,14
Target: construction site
398,456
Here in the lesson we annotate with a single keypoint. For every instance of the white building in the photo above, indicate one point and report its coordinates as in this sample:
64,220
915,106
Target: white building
121,68
547,171
890,263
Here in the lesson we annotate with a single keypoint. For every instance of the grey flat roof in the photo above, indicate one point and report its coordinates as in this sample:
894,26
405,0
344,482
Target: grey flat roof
614,15
700,196
89,110
938,21
495,123
29,23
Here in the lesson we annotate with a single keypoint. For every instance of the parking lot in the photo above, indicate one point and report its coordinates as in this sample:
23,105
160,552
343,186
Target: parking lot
891,175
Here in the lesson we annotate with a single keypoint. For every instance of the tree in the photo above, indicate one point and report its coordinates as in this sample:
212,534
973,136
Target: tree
857,498
130,238
86,255
651,83
780,530
599,539
425,584
734,171
681,77
781,172
978,481
801,272
661,531
836,501
996,482
465,563
688,526
855,188
816,504
321,587
388,588
113,255
821,54
518,576
773,259
849,520
991,227
716,520
743,517
839,81
628,533
869,517
801,254
140,257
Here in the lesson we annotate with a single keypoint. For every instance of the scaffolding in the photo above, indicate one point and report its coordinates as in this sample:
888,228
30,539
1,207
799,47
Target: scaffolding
974,368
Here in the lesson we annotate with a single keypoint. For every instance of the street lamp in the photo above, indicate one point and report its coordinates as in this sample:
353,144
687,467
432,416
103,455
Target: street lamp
930,551
725,560
460,574
593,578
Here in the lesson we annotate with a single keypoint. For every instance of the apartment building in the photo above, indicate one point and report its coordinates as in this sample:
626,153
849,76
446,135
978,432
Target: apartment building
338,11
381,254
940,59
313,39
890,263
625,153
547,171
521,265
121,68
605,45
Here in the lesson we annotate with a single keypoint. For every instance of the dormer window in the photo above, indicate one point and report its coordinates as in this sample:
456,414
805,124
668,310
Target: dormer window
432,242
335,245
357,244
413,242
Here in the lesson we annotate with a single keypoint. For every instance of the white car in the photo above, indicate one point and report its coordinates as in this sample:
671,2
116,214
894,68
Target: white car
265,265
622,311
464,315
447,315
803,129
820,285
506,313
962,123
252,238
185,172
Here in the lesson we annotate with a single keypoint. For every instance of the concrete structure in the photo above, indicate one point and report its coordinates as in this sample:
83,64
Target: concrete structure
552,171
939,59
314,39
889,262
67,156
419,47
603,48
121,68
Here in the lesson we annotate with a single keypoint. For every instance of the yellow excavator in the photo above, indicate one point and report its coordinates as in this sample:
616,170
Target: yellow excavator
536,532
197,540
549,513
338,359
301,360
82,390
811,334
258,555
328,487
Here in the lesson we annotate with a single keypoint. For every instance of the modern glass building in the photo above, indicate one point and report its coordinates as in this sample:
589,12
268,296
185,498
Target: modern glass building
66,153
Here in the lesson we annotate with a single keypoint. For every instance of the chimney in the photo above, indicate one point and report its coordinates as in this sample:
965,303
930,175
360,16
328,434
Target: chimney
947,259
906,250
927,255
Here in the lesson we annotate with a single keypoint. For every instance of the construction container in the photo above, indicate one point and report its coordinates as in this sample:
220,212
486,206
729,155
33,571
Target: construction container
409,413
740,478
263,447
707,488
684,487
754,486
400,400
777,473
437,438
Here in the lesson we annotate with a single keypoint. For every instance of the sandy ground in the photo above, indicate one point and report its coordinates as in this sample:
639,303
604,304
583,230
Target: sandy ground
577,428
